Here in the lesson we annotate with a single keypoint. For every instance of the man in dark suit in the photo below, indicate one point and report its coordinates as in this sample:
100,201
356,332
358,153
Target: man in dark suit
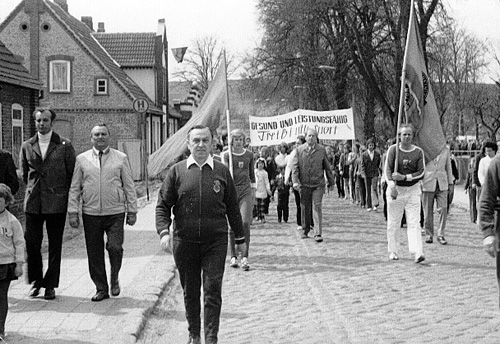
8,174
370,167
47,162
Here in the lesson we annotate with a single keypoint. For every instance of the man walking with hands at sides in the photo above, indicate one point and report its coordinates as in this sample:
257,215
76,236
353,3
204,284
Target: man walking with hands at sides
370,165
47,163
103,182
438,179
309,165
403,193
201,195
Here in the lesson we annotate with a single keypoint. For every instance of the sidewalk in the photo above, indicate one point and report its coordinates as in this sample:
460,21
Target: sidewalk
72,318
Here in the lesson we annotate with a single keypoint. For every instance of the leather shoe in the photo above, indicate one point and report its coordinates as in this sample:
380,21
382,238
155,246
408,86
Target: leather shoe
428,239
115,288
100,295
442,240
194,340
50,294
34,292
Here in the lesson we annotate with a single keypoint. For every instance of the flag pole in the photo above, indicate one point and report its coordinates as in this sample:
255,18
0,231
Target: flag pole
230,151
402,90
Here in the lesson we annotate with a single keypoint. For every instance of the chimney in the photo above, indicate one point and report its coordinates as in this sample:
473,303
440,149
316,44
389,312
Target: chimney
161,27
100,27
63,4
88,21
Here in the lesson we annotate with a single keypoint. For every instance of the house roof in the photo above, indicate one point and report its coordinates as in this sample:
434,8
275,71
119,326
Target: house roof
83,34
130,50
13,72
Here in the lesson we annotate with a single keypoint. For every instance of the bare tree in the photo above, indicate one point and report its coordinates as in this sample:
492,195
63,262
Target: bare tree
203,60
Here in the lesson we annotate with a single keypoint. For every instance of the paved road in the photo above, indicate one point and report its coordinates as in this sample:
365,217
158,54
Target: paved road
345,290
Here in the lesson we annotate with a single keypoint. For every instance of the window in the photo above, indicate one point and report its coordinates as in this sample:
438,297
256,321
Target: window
17,131
101,86
59,76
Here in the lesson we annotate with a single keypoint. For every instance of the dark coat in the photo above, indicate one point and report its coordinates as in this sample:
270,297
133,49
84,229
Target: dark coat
8,174
47,181
370,167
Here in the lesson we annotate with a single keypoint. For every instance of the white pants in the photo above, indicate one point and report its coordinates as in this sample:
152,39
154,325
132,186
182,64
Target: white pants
408,201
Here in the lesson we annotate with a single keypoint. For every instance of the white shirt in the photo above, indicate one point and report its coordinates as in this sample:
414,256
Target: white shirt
484,163
43,142
210,162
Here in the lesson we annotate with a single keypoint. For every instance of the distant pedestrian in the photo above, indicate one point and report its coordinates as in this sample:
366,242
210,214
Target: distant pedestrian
403,194
309,166
489,220
263,189
370,165
490,150
339,182
244,182
47,164
470,188
12,248
438,179
104,186
456,177
344,171
200,193
360,179
283,191
301,139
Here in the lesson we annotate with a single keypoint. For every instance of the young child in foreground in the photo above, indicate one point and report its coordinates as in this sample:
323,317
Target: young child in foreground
12,247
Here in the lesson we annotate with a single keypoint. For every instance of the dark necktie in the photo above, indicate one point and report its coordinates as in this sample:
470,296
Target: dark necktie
100,158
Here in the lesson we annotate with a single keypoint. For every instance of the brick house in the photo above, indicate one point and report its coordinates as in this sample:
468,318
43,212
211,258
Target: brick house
81,80
19,93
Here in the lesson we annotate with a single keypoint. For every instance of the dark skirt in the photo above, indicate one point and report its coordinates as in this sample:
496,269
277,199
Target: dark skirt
7,272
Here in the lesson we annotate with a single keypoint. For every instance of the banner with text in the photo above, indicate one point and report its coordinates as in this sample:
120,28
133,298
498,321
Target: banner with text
330,125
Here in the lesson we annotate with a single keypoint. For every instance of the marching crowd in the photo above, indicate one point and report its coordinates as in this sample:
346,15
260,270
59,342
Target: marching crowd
209,201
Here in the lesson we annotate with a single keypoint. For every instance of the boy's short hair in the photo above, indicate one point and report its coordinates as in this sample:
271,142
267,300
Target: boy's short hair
6,194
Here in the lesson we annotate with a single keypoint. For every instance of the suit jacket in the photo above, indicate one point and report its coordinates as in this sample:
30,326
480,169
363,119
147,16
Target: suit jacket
47,181
8,174
309,167
438,172
370,168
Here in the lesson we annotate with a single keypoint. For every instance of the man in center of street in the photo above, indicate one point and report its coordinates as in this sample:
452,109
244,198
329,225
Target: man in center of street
200,192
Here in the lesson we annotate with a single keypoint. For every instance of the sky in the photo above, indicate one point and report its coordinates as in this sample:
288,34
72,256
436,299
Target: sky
234,22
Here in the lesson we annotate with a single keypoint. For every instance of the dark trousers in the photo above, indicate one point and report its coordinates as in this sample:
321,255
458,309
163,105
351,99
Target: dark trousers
4,303
54,223
261,208
95,227
296,194
201,264
361,191
472,204
340,184
283,199
299,209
